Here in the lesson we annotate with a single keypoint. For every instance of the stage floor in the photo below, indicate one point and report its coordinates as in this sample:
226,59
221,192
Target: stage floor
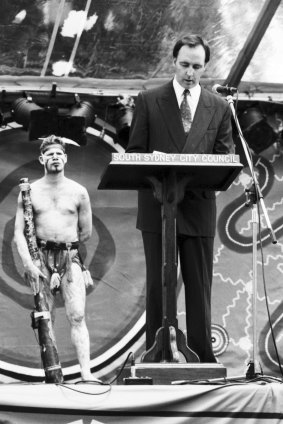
241,401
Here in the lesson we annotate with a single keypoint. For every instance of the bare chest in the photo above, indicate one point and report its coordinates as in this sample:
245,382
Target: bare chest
48,201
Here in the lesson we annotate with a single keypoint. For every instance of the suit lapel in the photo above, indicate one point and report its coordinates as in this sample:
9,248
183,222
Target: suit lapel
168,105
202,118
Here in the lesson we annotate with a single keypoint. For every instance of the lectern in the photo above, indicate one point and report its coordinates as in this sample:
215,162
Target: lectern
169,175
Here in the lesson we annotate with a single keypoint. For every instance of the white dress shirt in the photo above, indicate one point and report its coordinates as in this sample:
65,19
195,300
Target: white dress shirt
192,99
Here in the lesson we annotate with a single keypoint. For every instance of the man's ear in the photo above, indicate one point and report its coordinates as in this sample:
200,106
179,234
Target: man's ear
65,158
41,160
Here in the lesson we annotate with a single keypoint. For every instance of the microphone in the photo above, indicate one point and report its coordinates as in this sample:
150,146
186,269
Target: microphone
224,89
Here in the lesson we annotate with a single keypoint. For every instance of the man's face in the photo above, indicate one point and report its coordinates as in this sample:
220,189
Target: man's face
53,159
189,65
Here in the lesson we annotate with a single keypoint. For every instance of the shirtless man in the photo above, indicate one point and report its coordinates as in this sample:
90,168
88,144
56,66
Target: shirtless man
62,218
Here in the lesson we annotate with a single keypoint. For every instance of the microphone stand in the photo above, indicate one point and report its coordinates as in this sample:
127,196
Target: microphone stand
254,198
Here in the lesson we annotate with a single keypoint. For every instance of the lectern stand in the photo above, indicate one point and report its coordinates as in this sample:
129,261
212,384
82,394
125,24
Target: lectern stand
169,175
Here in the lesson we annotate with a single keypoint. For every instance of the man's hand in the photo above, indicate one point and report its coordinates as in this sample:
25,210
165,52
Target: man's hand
32,276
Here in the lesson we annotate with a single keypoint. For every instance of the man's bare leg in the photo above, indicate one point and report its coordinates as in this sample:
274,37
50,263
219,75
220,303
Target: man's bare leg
80,339
74,297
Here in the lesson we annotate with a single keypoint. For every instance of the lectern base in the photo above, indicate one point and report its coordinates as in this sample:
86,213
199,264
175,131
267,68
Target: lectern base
165,373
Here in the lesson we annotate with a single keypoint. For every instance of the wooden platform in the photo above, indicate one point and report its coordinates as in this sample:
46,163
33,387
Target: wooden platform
166,373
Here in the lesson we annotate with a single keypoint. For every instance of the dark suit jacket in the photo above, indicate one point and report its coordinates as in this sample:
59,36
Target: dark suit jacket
157,126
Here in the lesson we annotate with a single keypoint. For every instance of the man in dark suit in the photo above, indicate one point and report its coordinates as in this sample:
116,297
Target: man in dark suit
160,124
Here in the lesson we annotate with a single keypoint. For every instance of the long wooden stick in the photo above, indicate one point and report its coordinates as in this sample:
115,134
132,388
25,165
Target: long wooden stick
41,316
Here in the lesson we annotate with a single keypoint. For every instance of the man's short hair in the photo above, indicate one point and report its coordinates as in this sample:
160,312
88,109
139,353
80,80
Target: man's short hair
50,141
192,40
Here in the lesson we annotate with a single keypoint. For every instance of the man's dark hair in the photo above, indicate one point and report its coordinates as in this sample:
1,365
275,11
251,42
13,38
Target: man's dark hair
50,141
192,40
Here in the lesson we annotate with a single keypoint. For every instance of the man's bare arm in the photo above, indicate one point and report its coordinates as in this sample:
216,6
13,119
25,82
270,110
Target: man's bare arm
84,216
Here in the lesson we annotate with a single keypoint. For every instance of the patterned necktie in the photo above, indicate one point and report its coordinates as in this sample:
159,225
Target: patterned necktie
186,113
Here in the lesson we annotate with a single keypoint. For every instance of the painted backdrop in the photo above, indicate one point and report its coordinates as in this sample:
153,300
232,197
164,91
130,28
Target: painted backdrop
115,307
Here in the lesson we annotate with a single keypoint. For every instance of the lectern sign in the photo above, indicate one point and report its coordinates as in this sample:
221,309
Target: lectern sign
176,158
212,172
